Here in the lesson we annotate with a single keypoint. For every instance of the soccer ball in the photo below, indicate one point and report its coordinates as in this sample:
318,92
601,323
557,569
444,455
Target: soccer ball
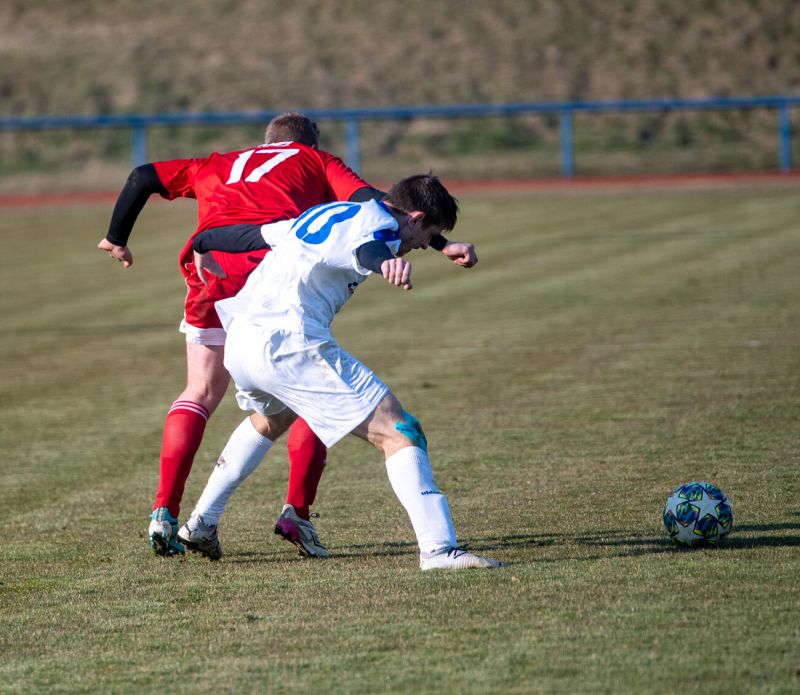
698,514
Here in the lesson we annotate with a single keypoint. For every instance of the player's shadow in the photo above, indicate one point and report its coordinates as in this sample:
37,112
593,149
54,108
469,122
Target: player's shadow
621,543
383,549
283,552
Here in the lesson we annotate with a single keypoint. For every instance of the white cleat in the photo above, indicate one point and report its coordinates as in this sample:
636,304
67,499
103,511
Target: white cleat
454,559
299,532
200,537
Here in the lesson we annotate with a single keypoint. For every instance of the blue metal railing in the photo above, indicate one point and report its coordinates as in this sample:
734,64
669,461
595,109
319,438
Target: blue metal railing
139,123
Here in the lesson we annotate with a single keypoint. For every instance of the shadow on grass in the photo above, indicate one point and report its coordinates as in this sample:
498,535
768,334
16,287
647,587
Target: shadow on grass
744,536
359,551
626,545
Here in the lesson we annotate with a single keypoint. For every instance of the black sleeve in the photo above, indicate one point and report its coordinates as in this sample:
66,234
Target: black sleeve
372,254
438,242
234,238
141,184
362,195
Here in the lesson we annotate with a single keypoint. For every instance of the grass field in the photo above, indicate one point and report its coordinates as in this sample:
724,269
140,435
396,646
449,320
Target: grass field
607,347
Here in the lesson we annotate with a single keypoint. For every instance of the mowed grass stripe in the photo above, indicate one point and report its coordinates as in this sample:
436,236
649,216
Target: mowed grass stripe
564,283
606,348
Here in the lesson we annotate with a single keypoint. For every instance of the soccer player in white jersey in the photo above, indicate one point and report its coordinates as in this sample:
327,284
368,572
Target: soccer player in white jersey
285,362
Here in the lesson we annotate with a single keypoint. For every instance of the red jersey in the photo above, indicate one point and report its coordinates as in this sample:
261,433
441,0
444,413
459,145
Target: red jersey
267,183
264,184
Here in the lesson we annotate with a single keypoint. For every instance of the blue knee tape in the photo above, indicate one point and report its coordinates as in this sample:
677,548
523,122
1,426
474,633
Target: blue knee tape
411,428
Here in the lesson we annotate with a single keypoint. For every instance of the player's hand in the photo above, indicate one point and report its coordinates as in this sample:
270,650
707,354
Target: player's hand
205,263
397,272
461,253
121,253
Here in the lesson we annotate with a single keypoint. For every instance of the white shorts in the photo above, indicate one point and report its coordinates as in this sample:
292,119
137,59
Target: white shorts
273,369
202,336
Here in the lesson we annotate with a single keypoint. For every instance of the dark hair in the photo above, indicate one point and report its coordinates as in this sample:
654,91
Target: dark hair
293,127
425,193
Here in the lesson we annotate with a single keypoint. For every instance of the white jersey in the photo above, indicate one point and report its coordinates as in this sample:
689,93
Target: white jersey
312,270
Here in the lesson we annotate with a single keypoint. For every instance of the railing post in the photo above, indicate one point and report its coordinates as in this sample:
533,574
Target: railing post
352,144
786,138
567,155
139,145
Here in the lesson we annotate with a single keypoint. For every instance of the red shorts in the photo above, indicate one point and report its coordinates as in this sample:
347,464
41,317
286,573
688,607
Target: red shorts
199,311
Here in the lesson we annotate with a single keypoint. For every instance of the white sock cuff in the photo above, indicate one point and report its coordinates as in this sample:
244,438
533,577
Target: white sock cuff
257,437
410,455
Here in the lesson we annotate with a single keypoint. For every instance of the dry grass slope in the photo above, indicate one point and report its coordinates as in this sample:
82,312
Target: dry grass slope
110,57
93,57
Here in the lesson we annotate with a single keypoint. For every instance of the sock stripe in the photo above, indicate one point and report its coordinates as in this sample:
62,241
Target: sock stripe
190,406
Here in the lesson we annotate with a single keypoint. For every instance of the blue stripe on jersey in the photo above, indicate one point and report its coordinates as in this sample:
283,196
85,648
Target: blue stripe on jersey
339,213
311,212
386,235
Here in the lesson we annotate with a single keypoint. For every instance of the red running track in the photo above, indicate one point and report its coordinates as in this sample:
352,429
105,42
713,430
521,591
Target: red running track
470,186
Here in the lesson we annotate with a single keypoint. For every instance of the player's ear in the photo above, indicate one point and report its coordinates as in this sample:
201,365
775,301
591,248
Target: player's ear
417,217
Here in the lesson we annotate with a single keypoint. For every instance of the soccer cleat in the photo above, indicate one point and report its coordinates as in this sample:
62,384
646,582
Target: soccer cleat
163,532
200,537
454,559
300,532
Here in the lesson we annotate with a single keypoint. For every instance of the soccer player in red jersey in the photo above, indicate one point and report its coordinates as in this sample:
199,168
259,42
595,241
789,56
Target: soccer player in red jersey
274,181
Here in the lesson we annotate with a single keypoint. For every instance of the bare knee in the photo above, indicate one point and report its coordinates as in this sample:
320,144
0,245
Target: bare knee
273,426
390,428
411,429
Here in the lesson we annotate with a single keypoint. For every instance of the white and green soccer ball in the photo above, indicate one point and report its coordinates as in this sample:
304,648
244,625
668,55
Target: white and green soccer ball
698,514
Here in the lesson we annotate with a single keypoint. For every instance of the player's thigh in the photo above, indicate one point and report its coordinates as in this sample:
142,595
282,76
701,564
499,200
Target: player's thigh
330,389
205,368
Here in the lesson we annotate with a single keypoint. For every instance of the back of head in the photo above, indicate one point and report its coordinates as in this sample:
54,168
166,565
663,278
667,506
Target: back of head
293,127
425,193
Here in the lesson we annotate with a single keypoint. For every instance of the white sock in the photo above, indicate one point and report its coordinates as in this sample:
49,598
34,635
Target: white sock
412,481
240,457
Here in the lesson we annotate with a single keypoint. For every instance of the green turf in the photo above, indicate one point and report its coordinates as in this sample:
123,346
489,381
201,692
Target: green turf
607,347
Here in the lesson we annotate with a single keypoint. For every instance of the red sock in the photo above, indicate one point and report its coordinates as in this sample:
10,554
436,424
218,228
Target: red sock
183,432
307,457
